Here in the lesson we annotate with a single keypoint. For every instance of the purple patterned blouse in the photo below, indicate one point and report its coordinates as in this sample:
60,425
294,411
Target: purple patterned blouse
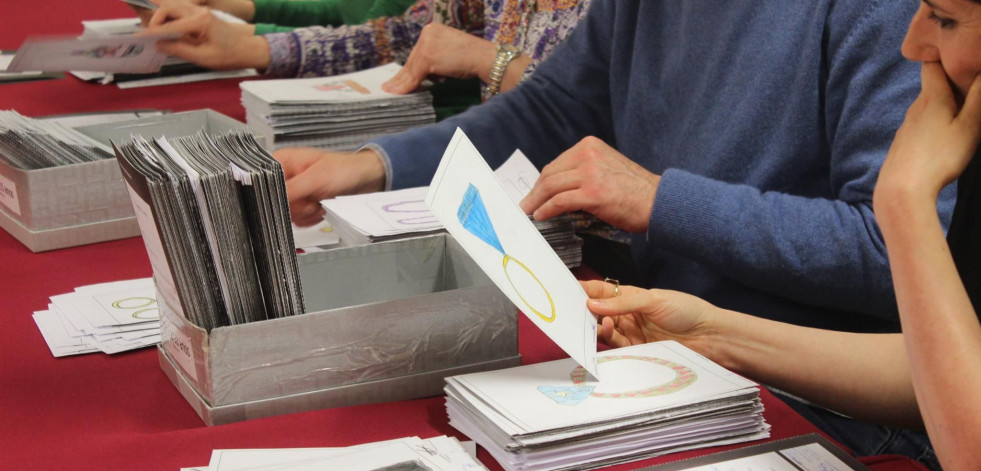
534,26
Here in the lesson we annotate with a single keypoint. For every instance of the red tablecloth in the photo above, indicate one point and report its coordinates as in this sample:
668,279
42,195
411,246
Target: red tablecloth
120,412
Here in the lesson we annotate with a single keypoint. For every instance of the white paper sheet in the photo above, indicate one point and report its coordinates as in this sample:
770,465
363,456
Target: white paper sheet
114,54
476,209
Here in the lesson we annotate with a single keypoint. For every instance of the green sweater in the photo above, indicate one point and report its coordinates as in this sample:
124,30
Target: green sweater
277,16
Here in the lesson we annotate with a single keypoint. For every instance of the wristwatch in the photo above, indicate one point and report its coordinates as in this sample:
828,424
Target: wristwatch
505,54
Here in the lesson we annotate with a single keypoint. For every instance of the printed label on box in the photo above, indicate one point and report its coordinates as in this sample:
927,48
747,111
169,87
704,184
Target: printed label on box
8,194
178,345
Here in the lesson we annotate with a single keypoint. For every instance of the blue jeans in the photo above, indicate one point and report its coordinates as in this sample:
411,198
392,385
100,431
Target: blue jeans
867,439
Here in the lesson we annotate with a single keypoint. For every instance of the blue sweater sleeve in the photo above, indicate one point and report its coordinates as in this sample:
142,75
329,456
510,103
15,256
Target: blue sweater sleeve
822,252
543,117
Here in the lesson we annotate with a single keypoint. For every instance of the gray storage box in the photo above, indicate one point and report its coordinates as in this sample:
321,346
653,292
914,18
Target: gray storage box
384,322
79,204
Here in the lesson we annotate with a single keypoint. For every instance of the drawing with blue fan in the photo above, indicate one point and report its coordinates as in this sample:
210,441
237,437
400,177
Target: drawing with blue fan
472,214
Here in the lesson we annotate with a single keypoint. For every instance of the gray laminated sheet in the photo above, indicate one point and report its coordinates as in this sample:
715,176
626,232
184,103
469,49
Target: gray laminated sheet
377,312
77,204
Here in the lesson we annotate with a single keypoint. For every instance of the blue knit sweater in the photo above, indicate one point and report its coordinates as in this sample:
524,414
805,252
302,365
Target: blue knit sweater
768,121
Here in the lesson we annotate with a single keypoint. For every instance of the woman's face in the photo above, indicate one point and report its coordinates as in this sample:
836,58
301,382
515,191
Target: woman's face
949,32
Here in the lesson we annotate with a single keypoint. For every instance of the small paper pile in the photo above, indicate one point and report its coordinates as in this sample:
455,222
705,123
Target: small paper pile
108,317
403,454
377,217
336,113
652,399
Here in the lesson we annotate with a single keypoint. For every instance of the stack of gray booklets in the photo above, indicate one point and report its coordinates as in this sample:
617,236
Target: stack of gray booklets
651,399
213,213
335,113
29,144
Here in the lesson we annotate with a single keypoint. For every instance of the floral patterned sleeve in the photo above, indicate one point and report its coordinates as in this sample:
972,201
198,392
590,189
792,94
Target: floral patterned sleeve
322,51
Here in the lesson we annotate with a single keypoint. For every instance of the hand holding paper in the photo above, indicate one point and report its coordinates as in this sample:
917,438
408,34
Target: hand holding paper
473,206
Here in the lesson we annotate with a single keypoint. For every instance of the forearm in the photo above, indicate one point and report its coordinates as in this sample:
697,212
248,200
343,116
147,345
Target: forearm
292,13
243,9
865,376
940,325
816,251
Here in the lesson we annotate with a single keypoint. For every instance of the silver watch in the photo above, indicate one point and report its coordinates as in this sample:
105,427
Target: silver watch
505,54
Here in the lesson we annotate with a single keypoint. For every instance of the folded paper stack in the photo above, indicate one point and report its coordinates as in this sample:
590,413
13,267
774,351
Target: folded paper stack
651,399
335,113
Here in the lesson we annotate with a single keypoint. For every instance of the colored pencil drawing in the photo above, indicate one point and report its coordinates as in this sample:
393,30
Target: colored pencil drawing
472,214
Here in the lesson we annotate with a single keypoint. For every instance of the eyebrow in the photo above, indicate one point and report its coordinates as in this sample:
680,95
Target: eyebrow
930,4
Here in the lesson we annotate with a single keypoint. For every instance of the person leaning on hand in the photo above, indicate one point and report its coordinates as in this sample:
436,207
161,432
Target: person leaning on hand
926,376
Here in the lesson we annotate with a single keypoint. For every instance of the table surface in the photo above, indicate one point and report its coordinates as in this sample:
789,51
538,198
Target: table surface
98,411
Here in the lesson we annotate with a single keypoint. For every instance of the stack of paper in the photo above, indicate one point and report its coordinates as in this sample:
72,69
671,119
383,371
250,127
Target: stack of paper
403,454
28,143
108,317
652,399
336,113
213,214
168,70
375,217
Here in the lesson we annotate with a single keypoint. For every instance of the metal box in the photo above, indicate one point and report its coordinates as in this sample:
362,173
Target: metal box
385,322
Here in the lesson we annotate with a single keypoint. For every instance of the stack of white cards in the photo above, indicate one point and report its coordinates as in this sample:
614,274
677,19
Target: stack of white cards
376,217
108,317
335,113
166,70
652,399
403,454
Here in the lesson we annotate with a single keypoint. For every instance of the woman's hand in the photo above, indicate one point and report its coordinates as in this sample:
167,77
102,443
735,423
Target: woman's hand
636,315
207,41
446,52
934,144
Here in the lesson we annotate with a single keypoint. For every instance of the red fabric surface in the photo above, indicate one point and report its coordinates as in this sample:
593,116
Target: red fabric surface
120,412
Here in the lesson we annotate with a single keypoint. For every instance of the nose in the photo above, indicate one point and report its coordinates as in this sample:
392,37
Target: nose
920,42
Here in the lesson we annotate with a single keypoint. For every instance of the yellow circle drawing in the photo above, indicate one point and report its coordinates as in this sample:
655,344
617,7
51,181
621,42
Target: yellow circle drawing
145,302
550,317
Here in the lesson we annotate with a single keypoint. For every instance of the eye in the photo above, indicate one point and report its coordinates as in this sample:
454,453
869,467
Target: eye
945,23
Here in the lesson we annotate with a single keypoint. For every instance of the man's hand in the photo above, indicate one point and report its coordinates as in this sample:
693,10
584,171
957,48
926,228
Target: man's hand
594,177
313,175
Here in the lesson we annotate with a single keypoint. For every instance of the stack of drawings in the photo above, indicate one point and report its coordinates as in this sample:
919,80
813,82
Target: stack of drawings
109,317
377,217
651,399
213,213
335,113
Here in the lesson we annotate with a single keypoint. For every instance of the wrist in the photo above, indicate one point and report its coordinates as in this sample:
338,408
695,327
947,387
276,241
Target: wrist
495,76
372,170
894,204
255,50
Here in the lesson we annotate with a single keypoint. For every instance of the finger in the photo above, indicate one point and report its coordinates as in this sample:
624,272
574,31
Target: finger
934,85
306,213
563,203
631,300
306,185
546,187
607,333
597,289
970,113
